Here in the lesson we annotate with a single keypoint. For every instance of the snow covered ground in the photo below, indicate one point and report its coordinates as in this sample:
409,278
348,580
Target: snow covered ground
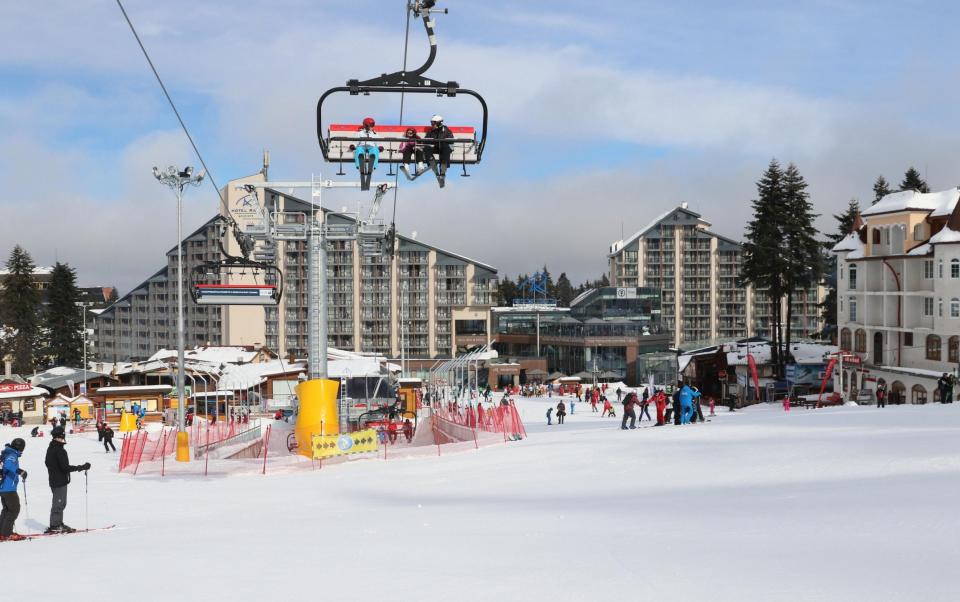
849,503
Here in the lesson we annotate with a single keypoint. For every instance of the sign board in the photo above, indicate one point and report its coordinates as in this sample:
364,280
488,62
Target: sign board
626,293
15,387
328,446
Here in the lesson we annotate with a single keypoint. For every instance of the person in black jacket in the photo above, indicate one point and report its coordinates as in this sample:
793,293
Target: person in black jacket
59,469
437,145
108,438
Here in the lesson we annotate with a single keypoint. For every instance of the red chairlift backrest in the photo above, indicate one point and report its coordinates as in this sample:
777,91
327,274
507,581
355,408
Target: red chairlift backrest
340,149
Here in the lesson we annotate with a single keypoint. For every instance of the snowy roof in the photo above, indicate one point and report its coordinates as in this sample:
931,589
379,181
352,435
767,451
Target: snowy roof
923,249
803,353
850,242
62,376
40,270
34,392
620,244
135,389
946,235
214,355
914,371
940,203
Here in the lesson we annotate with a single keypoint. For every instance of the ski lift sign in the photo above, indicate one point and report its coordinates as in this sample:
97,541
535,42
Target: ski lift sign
626,293
328,446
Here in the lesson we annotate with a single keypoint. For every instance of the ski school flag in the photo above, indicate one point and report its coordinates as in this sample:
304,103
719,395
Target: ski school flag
328,446
826,377
752,365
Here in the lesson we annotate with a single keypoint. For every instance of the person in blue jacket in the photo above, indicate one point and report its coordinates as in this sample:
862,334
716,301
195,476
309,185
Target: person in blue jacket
686,403
9,479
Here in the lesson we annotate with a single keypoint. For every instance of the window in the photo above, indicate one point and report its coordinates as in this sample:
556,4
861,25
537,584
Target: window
853,310
928,306
955,308
876,236
845,339
940,308
841,304
933,347
928,269
919,394
918,232
955,268
953,349
860,341
908,339
853,275
886,236
939,268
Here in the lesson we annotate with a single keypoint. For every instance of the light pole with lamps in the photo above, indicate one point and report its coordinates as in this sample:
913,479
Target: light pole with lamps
177,180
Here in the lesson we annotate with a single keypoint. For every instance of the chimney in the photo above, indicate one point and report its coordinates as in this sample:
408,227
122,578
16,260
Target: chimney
7,368
684,205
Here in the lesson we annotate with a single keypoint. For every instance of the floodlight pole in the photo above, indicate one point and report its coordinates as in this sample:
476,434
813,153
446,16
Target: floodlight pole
177,180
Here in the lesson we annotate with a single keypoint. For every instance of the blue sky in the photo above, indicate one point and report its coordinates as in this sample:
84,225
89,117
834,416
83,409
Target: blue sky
603,114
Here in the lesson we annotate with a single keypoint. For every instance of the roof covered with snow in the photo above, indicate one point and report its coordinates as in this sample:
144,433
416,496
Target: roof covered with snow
620,244
939,203
946,235
850,242
803,353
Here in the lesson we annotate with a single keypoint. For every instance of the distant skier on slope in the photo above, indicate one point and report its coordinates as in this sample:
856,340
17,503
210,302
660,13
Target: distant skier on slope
9,479
59,469
561,412
628,412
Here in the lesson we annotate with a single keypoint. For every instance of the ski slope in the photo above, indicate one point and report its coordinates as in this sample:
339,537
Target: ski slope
849,503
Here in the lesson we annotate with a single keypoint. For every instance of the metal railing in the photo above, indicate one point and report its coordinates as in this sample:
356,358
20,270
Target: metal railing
251,434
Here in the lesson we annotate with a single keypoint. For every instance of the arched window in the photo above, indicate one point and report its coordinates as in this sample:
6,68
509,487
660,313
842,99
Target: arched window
860,341
898,392
845,339
953,349
876,236
853,276
933,347
918,394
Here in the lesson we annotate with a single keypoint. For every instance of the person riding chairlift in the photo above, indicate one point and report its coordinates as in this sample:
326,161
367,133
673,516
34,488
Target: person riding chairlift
412,148
366,154
436,137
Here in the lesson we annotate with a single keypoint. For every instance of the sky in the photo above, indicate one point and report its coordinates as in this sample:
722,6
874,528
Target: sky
602,115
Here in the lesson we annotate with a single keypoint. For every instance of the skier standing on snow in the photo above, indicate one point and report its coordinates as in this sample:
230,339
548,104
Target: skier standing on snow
59,469
686,397
561,412
882,395
9,478
644,402
619,395
628,411
108,438
660,398
549,414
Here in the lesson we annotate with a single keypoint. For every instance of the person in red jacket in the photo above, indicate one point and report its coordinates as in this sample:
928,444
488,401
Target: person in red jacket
661,401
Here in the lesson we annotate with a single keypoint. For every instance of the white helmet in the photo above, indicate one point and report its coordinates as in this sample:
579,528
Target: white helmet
436,119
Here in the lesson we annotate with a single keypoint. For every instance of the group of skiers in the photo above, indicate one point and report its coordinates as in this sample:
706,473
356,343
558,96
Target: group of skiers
11,418
58,473
685,406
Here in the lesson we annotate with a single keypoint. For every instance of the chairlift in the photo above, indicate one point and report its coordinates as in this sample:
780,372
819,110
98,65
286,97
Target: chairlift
266,292
339,141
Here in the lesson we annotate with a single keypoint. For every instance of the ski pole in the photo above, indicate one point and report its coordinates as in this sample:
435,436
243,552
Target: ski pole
26,504
86,499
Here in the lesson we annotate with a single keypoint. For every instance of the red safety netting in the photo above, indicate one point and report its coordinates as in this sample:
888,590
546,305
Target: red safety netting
141,446
497,419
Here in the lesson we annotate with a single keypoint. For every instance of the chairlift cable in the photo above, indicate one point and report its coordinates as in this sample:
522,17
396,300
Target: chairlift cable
396,176
183,125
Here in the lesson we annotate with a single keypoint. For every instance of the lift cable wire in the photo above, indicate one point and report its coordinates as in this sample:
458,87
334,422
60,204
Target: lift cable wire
223,201
396,176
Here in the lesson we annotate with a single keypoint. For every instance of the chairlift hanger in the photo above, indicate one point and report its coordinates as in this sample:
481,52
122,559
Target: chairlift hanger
204,293
413,82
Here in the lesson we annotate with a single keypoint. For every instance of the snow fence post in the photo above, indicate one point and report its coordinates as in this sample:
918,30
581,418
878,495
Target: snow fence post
266,446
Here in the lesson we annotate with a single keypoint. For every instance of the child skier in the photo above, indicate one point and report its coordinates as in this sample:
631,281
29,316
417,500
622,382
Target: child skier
549,414
9,478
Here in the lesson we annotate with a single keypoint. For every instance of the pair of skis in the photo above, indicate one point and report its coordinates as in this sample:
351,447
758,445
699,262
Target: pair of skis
29,536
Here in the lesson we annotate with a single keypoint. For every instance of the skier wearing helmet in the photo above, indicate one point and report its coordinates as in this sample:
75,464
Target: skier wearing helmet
10,475
436,136
366,154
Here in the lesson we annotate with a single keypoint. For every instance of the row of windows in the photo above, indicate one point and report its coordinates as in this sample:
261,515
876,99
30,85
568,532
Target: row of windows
927,308
933,347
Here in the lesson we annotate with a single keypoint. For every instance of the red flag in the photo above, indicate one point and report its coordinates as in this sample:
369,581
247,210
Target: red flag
752,365
826,377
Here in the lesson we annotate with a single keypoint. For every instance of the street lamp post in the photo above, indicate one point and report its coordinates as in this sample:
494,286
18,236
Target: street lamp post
177,180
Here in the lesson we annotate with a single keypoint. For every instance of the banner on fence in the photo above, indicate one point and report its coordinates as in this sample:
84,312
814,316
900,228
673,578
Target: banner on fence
328,446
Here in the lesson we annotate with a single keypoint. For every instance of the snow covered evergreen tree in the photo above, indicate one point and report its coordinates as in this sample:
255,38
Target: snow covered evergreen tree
805,260
21,310
64,321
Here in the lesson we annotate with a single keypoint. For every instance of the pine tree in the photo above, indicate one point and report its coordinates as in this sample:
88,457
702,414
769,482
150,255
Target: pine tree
880,189
804,252
604,281
764,263
845,221
913,181
64,321
21,306
564,291
506,292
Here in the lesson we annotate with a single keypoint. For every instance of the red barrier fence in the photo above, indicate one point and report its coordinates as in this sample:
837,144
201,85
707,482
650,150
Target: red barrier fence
497,419
141,446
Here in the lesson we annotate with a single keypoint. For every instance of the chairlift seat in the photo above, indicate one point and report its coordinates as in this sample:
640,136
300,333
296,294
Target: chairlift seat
340,137
236,294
